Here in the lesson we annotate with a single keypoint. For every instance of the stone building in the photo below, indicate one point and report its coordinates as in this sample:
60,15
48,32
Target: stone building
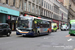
31,7
48,9
71,10
55,11
70,5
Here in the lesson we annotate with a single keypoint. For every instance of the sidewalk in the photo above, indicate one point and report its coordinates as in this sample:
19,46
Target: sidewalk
13,32
58,30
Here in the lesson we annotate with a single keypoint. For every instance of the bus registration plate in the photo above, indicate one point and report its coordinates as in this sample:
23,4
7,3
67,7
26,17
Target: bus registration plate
23,34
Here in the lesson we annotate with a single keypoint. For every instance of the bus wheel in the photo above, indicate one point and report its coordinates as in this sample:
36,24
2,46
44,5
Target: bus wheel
38,33
71,34
48,32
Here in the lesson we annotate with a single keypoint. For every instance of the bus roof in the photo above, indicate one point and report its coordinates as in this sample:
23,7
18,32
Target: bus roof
36,18
41,19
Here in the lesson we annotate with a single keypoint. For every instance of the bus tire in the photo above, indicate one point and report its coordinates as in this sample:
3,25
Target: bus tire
61,30
38,33
71,34
48,32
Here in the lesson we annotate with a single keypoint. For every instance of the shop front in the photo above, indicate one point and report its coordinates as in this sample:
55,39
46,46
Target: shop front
9,16
56,21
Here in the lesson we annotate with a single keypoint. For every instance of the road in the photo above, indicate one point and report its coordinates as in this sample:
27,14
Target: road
60,40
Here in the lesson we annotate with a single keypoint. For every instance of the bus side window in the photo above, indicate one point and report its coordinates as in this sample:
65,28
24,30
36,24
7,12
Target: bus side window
40,26
50,25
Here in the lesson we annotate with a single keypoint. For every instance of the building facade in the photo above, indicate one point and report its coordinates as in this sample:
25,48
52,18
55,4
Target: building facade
54,10
9,11
71,10
47,9
31,7
70,5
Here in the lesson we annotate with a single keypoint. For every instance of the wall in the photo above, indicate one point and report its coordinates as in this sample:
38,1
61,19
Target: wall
66,3
10,5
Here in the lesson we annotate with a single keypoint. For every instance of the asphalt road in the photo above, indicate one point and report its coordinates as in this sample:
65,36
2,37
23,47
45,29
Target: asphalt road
60,40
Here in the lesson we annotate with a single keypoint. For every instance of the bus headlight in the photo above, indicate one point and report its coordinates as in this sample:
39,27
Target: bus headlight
18,30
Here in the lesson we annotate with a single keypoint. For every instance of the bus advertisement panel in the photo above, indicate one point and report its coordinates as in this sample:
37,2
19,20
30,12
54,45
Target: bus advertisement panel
33,26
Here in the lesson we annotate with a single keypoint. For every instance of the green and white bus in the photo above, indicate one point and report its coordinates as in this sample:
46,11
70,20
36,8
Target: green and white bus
72,27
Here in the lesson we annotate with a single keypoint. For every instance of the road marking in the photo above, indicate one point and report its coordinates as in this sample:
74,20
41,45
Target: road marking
70,39
68,36
46,38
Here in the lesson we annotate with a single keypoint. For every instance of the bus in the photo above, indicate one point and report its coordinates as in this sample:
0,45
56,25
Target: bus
54,27
72,27
33,26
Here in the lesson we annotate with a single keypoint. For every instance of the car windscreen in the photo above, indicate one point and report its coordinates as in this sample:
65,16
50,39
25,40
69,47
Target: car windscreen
64,26
73,26
4,26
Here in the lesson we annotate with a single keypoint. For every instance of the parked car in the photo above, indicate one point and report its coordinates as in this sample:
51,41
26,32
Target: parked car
64,27
4,29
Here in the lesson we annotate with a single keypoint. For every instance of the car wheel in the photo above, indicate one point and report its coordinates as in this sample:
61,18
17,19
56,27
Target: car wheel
8,34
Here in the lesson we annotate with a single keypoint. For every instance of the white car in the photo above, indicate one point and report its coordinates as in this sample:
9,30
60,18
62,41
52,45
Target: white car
64,27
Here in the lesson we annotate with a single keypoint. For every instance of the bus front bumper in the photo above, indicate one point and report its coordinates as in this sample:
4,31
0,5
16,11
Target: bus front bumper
72,32
18,33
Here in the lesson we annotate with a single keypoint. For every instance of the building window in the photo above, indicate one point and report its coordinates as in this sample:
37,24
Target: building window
29,7
25,5
39,10
36,1
39,1
36,9
14,2
48,13
50,7
44,12
6,1
33,7
33,0
44,3
0,1
20,4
